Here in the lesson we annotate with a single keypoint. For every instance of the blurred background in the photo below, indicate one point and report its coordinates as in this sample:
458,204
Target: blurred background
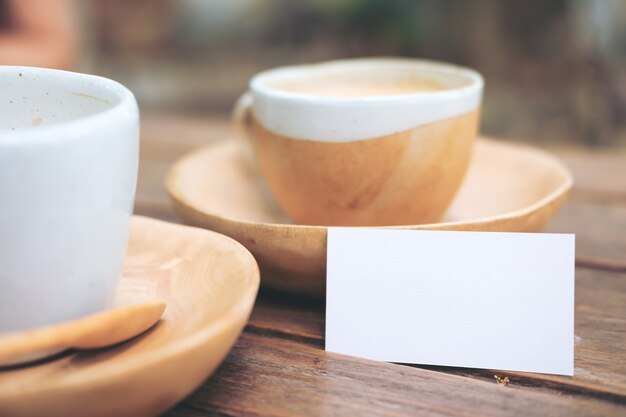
555,70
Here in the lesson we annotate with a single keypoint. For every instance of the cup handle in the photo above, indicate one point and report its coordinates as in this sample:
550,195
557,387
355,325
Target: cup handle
242,115
242,121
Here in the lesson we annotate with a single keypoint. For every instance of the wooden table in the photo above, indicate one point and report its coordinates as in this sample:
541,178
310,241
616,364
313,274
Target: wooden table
279,366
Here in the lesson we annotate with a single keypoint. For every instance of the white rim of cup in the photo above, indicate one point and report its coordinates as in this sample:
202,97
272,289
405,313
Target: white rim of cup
258,83
343,119
124,106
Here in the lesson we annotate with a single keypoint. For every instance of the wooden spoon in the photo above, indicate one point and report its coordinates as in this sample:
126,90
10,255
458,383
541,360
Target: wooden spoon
97,330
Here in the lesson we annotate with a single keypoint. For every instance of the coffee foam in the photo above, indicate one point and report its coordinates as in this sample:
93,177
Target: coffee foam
365,85
298,115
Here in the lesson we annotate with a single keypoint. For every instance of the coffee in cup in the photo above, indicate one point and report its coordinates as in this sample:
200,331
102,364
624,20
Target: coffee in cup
364,142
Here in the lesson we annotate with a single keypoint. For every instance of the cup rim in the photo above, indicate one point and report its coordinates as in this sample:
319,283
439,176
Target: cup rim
323,118
124,105
259,82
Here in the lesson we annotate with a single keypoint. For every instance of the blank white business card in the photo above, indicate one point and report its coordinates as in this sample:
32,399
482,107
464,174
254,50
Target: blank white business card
468,299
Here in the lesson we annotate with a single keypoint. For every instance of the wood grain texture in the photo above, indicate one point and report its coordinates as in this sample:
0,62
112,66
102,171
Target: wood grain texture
268,376
279,366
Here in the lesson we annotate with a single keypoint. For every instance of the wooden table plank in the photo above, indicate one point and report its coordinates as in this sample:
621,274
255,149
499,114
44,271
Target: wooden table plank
600,228
277,377
598,170
290,316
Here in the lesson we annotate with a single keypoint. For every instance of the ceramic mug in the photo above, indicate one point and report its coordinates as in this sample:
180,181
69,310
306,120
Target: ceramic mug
68,170
363,142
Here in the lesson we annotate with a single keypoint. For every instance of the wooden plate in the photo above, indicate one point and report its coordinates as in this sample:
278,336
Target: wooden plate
209,282
509,188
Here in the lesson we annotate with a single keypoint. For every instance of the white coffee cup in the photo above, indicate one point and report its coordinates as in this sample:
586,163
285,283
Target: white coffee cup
69,147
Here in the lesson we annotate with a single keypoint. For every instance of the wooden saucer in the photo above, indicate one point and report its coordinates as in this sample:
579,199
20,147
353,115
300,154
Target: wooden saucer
209,282
509,188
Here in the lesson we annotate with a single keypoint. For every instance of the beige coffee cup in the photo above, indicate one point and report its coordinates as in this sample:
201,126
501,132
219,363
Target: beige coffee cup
363,142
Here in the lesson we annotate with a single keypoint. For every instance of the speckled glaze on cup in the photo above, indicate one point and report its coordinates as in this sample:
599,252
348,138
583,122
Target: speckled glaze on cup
366,159
68,169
